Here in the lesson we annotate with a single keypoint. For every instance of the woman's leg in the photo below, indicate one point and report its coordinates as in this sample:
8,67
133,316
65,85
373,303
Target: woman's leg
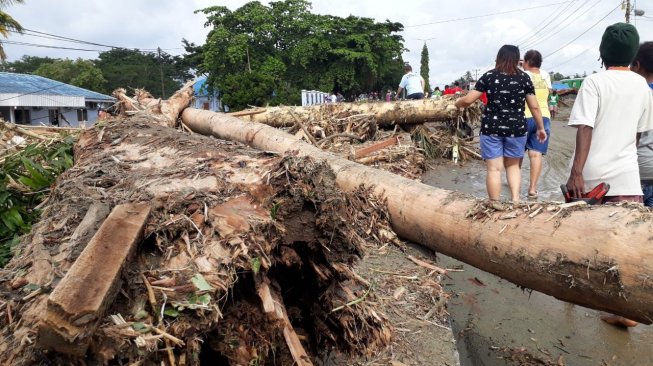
493,181
492,153
513,173
536,169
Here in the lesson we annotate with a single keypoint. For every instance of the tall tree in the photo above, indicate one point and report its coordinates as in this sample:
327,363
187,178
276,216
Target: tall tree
82,73
424,68
8,24
26,64
265,54
159,73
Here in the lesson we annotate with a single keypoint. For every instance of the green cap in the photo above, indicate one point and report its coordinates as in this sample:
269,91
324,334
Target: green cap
619,44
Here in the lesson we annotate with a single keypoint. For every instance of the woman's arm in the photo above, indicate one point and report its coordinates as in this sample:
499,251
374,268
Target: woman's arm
467,100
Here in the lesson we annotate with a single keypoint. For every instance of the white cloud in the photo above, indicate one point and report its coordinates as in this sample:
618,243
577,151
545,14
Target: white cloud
455,48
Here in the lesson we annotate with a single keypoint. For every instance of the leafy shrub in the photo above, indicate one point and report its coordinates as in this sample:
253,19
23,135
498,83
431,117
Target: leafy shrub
25,178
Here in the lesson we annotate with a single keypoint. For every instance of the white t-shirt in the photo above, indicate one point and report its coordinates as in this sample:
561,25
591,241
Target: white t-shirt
645,153
412,82
617,105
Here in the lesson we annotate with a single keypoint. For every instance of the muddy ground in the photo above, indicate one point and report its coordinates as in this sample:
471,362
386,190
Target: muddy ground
409,295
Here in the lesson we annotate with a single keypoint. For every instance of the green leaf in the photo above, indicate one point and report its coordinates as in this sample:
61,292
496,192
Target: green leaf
204,299
200,283
171,312
139,326
256,265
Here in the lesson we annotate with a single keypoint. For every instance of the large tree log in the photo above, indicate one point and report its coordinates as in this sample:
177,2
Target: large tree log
599,257
404,112
224,219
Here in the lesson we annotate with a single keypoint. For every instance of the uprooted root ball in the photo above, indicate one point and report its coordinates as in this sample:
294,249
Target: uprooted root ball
230,227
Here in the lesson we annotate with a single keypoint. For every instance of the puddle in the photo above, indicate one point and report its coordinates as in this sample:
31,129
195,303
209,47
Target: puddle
490,313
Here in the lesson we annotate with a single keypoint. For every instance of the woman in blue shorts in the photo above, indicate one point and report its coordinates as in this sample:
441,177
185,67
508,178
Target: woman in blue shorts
503,126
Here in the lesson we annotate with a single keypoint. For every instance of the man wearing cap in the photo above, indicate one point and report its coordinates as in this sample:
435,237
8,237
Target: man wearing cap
612,107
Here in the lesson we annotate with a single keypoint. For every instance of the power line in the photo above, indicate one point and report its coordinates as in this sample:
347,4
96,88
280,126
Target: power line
548,36
551,20
48,46
45,35
487,15
571,59
553,15
587,30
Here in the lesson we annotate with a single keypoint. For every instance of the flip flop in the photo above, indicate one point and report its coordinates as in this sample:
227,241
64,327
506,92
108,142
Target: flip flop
532,195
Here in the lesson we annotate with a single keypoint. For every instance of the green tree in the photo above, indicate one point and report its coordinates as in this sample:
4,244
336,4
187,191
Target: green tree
8,24
82,73
465,78
556,76
424,68
265,54
26,64
159,73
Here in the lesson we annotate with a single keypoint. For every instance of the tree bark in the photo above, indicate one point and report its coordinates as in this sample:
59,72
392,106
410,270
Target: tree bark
163,112
404,112
599,257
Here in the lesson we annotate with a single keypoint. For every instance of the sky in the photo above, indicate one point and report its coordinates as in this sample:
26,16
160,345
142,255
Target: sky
567,33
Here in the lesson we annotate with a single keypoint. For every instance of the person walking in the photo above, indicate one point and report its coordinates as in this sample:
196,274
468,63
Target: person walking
553,104
413,83
503,125
536,149
643,65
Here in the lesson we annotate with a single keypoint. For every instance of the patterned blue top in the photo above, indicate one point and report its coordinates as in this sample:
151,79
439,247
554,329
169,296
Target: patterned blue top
506,94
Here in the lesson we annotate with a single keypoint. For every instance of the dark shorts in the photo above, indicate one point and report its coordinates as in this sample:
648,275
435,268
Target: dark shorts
416,96
493,147
532,143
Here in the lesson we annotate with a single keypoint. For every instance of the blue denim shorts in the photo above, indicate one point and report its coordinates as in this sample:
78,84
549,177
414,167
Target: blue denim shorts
493,147
648,194
532,143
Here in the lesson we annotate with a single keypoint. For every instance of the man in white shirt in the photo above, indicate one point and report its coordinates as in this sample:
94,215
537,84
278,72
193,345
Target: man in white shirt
612,107
413,83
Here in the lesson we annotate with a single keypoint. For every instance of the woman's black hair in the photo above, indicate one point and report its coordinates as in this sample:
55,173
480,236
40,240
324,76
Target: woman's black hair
645,57
508,59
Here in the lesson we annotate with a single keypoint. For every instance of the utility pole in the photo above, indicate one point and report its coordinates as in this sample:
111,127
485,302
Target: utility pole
628,9
476,71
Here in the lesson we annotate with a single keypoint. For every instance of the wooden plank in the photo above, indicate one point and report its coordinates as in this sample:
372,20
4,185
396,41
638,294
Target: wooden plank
82,297
274,308
363,152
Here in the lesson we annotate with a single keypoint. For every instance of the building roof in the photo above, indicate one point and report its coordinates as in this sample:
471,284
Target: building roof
24,84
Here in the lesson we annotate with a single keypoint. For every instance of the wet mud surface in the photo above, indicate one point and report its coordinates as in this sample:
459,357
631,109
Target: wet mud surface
497,323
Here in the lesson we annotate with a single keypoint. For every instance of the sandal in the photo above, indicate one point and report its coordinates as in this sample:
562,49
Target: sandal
532,195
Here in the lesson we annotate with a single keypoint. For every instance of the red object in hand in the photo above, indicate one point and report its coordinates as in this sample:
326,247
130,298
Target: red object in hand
592,198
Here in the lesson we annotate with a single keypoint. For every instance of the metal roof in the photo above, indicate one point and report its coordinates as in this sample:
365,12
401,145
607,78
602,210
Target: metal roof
24,84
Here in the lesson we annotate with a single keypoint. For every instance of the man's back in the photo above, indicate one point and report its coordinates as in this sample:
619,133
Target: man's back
617,104
412,82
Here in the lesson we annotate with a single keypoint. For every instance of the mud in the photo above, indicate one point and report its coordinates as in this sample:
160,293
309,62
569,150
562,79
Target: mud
498,323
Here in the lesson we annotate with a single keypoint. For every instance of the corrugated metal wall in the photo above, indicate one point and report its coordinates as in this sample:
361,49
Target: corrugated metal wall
39,100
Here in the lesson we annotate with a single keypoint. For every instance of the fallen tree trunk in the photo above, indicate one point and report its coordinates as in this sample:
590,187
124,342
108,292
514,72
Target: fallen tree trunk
162,112
597,257
386,114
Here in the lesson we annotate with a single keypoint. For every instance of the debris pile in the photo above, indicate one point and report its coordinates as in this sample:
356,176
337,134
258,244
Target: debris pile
246,257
